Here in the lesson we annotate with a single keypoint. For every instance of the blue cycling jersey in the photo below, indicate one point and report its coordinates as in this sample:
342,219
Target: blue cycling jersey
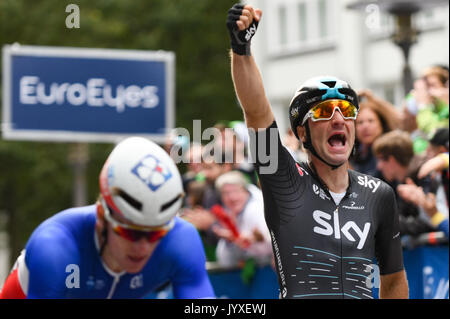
61,260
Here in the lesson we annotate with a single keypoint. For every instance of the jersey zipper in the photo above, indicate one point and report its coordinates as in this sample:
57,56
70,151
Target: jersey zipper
336,216
113,286
113,274
337,226
338,236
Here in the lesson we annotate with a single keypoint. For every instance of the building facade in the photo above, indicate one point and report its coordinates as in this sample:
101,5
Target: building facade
299,39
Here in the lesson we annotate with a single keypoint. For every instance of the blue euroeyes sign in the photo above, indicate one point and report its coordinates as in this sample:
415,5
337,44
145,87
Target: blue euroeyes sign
86,95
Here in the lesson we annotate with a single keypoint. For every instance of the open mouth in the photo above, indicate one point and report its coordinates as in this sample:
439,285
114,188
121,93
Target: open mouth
337,139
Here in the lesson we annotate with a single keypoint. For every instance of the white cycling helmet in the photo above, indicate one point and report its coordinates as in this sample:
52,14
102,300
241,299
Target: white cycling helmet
141,182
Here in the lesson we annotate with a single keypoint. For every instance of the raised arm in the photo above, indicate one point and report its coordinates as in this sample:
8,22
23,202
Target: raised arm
242,22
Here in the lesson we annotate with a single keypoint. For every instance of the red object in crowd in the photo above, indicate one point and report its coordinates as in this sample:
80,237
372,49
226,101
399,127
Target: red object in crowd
432,240
225,220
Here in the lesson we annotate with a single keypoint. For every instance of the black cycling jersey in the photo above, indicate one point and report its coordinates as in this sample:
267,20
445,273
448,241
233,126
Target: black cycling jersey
324,250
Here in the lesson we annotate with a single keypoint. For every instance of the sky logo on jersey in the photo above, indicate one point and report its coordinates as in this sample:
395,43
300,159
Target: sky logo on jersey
328,229
152,172
368,182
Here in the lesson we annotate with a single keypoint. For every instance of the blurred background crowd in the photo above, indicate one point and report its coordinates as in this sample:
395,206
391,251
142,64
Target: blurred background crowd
405,146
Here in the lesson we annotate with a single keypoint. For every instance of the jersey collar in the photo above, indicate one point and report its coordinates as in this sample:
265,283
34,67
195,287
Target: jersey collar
316,176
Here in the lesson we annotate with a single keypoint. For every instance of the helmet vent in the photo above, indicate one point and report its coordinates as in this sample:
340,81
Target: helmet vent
171,202
330,84
130,200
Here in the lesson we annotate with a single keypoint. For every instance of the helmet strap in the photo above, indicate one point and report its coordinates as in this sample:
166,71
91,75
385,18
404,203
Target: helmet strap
104,233
309,146
354,149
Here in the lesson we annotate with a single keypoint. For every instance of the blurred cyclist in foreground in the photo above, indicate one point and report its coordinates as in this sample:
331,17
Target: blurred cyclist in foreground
125,246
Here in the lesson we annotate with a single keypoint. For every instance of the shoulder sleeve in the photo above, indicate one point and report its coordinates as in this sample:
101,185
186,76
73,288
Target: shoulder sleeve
268,151
190,279
51,257
388,247
279,175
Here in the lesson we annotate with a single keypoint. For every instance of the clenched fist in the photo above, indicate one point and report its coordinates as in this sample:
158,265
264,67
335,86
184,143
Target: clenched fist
242,22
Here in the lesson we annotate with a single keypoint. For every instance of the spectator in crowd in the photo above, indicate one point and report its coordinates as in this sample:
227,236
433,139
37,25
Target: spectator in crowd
236,143
396,162
414,194
195,192
243,161
376,117
201,196
176,144
243,203
200,217
438,159
225,142
239,134
193,160
212,168
427,106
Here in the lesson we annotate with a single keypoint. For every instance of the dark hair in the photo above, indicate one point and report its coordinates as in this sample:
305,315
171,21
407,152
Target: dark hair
440,137
397,144
196,191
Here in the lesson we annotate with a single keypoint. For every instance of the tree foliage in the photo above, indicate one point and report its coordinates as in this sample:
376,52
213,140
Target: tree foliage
36,177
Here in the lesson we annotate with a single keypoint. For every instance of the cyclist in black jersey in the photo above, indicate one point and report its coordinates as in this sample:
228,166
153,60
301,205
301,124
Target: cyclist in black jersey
329,225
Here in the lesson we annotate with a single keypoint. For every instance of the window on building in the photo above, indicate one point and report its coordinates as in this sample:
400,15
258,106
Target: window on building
301,10
283,31
430,19
301,25
322,18
382,25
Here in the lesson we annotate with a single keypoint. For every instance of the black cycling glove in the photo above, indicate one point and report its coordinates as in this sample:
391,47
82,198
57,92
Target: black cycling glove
240,40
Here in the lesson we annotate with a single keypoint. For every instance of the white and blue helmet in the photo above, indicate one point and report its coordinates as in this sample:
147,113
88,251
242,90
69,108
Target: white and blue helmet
140,181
